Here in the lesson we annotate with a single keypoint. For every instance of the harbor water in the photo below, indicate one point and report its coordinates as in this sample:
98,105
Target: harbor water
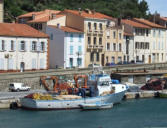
140,113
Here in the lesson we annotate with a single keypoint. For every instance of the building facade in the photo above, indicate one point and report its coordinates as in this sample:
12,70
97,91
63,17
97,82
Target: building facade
67,47
158,41
139,35
22,48
1,11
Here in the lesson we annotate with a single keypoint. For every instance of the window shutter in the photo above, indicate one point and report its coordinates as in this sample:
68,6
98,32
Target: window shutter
0,45
46,45
38,46
33,63
41,63
30,45
5,45
25,46
19,45
9,46
14,45
10,66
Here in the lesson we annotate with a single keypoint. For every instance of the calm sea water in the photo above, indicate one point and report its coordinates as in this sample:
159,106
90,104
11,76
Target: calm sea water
142,113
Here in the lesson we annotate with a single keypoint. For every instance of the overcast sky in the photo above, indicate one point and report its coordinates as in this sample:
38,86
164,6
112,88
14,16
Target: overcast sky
158,5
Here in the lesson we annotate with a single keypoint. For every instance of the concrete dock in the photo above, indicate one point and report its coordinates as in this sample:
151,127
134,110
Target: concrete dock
6,103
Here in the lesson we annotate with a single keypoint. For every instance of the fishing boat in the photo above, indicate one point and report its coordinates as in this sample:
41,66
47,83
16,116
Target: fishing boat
67,96
96,106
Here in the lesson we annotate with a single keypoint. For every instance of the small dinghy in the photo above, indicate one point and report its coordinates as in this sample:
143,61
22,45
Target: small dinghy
96,106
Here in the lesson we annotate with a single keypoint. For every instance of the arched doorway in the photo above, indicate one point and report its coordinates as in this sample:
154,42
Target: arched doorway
22,66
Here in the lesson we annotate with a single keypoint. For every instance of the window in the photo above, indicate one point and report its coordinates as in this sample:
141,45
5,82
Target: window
120,35
95,26
71,37
34,46
71,50
89,40
107,59
79,61
42,46
100,26
12,45
40,26
147,32
80,37
114,46
22,46
92,57
51,36
94,40
3,45
97,56
89,25
120,47
79,49
137,45
114,34
113,59
119,59
154,33
71,62
108,46
100,41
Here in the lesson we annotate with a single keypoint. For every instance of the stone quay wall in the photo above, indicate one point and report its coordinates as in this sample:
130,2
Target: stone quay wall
33,78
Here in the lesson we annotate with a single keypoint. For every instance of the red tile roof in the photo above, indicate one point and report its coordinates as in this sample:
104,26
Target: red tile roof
47,11
43,19
164,18
20,30
67,29
146,22
93,15
135,24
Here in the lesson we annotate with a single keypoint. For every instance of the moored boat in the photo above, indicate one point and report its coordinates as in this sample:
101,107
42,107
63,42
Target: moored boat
96,106
102,92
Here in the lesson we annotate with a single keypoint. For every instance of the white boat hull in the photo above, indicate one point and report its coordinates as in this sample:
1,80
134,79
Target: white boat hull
70,104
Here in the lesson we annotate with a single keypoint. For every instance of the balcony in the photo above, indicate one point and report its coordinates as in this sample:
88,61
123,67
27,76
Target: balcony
100,33
95,32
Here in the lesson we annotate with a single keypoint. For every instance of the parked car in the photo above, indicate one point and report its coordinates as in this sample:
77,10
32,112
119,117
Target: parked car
18,87
94,65
110,64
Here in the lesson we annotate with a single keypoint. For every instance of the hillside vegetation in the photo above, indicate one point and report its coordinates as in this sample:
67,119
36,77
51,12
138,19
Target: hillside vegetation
115,8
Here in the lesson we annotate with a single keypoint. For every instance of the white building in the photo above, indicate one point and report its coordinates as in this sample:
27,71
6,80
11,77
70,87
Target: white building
67,47
158,44
138,48
22,48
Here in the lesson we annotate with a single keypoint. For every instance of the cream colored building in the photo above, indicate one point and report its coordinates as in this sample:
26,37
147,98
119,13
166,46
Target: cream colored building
1,11
114,44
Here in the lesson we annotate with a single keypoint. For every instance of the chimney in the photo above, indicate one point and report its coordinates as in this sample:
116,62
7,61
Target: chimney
79,10
119,22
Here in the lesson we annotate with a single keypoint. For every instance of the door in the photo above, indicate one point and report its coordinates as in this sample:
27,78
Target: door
22,66
149,59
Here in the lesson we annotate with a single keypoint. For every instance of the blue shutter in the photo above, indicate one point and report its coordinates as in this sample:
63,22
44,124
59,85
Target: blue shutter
80,49
10,65
0,45
33,63
71,37
71,50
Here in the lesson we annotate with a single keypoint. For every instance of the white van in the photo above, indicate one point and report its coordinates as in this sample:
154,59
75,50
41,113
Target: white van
18,87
